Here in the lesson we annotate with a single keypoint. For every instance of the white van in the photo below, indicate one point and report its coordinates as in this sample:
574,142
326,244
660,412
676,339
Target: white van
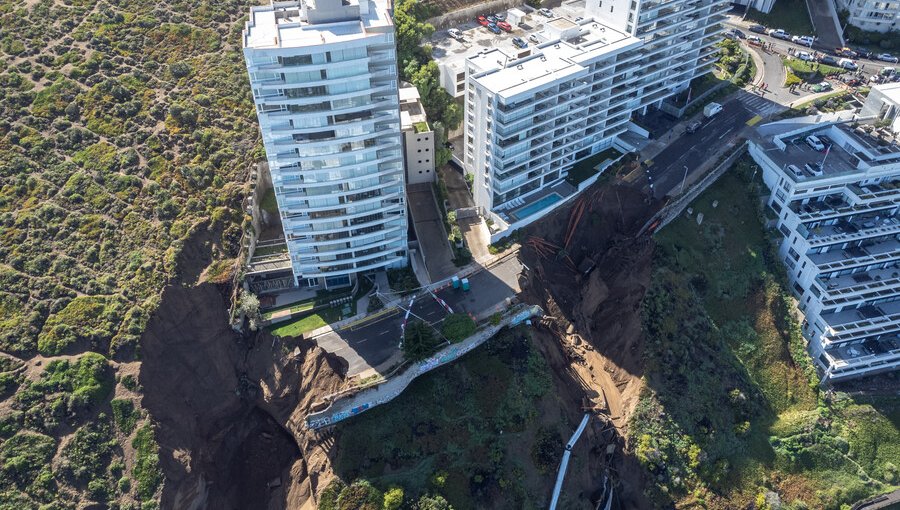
711,109
848,64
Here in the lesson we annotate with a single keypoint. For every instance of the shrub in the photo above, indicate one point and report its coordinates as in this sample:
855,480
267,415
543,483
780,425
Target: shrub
393,498
124,415
360,495
146,470
23,455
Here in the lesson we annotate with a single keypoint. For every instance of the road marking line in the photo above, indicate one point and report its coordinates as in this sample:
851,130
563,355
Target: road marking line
725,133
754,120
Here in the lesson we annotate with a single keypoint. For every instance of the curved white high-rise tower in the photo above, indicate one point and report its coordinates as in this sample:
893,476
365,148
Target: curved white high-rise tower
324,79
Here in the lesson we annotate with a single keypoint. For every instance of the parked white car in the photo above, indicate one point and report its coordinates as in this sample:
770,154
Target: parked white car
456,34
802,39
546,12
814,142
887,57
848,64
806,56
779,34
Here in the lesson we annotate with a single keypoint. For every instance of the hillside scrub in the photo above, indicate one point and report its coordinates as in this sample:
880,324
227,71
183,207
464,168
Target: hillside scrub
731,410
125,129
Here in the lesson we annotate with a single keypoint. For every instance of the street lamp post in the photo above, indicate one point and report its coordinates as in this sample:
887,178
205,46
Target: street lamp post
683,179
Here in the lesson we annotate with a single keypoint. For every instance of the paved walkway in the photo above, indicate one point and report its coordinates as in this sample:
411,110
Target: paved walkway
821,12
429,228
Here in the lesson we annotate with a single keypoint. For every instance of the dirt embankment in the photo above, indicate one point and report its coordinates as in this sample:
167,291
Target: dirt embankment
590,273
226,407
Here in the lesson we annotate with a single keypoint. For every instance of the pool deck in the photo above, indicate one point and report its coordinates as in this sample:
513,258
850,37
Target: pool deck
564,189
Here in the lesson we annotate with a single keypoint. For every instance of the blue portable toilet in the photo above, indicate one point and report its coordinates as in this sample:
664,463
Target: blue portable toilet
465,284
455,281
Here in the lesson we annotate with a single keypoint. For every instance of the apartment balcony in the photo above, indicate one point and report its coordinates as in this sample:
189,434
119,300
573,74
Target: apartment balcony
861,287
858,323
869,356
882,252
849,230
836,207
874,192
313,98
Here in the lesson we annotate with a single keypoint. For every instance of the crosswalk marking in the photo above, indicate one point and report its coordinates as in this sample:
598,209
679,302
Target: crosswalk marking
760,106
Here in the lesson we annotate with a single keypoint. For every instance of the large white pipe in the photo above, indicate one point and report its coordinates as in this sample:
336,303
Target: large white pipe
565,461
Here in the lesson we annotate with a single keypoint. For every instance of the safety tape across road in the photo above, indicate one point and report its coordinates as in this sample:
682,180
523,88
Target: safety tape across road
368,318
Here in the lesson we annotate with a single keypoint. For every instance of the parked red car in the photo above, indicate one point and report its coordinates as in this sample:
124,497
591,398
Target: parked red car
505,26
482,21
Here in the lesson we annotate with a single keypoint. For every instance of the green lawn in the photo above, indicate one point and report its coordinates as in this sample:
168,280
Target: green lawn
585,168
731,408
308,323
789,15
808,71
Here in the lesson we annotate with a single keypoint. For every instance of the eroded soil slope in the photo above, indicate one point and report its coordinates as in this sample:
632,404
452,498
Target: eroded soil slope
223,406
590,272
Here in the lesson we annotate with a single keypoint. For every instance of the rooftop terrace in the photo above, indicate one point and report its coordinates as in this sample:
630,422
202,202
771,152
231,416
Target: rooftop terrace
285,24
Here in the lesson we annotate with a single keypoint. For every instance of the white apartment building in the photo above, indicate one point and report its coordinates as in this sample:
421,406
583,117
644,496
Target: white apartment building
324,79
871,15
841,241
529,119
883,103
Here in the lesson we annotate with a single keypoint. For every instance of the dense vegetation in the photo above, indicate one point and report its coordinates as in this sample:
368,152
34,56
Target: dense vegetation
731,414
481,432
125,127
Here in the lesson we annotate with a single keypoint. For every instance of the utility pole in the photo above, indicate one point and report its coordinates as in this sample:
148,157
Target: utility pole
683,179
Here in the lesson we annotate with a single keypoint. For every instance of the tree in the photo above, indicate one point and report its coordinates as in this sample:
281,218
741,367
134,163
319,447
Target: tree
360,495
249,306
418,340
410,32
393,498
458,326
433,502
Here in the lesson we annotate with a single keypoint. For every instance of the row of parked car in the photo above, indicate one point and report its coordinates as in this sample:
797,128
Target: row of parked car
807,40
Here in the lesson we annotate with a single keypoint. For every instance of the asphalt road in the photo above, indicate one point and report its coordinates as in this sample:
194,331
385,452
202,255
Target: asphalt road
685,155
868,66
370,343
488,288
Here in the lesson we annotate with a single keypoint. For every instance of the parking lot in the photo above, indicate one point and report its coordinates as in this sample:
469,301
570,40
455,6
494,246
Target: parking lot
476,37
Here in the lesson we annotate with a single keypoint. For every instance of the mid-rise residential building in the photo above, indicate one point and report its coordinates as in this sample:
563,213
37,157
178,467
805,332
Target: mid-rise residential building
533,113
837,210
324,80
418,137
760,5
883,103
871,15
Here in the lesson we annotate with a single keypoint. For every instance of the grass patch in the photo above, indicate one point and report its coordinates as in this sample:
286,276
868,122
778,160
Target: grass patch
586,168
421,127
731,407
268,202
789,15
809,71
324,316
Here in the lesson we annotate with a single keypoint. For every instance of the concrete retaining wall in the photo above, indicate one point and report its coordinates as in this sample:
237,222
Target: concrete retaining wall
385,392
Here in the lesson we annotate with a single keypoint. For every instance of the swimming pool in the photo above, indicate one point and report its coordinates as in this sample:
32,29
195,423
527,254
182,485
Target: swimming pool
543,203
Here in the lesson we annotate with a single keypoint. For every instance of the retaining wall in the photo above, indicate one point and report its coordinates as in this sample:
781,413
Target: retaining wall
344,408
